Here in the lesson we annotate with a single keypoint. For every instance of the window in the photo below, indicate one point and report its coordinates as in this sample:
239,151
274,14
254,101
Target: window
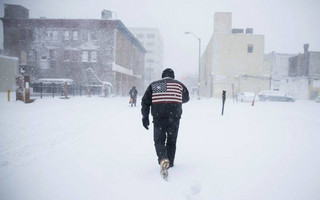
85,35
75,35
67,56
52,54
93,56
250,48
93,36
66,35
150,36
44,58
74,57
84,57
150,44
48,35
55,35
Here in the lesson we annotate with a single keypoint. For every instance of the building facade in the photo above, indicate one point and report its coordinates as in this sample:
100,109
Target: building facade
67,48
306,67
152,40
233,61
9,67
279,68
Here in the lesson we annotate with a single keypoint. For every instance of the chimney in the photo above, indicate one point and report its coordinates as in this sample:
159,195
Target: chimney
106,14
237,30
306,48
249,30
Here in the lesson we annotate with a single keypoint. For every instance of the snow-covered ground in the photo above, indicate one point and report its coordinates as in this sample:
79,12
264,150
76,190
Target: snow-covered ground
96,149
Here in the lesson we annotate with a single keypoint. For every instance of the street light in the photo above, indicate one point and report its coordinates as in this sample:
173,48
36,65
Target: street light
199,60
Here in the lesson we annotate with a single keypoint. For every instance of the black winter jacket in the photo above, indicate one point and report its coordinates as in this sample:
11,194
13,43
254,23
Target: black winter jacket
165,97
133,93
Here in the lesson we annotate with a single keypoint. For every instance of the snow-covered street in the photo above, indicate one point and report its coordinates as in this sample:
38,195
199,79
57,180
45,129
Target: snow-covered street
96,148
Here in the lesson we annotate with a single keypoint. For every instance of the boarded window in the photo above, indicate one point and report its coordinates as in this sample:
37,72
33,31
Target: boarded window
67,56
93,36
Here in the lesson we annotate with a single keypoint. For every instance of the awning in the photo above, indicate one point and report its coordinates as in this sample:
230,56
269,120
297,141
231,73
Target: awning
123,70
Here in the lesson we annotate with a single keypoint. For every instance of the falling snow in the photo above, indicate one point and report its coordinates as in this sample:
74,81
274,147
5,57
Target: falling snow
97,148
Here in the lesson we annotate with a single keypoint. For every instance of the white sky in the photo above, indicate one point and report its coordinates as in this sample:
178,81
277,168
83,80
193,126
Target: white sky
286,24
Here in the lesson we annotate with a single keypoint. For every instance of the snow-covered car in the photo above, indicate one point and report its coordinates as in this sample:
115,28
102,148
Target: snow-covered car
269,95
317,99
246,96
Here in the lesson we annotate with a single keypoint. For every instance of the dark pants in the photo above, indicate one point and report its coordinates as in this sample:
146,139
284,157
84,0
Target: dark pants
134,101
165,138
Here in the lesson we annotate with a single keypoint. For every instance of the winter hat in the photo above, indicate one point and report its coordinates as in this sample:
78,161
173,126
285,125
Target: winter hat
168,73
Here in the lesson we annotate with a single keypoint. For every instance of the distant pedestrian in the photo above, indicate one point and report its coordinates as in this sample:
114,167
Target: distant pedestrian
165,97
133,96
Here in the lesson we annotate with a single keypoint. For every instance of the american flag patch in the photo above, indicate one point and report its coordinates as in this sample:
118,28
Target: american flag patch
167,92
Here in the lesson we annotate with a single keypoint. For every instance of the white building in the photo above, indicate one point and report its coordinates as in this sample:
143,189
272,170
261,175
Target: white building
152,41
279,68
233,60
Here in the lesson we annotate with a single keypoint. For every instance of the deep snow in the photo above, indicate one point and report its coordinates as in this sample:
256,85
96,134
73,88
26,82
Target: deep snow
96,148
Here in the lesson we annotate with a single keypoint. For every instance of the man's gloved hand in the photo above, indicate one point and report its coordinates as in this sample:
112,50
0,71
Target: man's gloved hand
145,122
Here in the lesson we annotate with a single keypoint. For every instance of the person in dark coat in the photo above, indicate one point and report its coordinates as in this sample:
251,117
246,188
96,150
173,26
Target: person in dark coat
165,97
133,95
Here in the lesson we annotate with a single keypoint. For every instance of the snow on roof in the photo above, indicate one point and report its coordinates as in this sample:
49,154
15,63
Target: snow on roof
9,57
55,80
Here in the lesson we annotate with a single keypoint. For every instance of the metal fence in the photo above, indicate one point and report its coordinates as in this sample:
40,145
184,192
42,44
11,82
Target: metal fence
40,90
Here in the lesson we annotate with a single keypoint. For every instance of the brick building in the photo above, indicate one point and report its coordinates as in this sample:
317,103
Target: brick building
67,48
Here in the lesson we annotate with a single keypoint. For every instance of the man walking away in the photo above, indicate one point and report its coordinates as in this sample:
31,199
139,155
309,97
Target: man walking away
165,97
133,95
